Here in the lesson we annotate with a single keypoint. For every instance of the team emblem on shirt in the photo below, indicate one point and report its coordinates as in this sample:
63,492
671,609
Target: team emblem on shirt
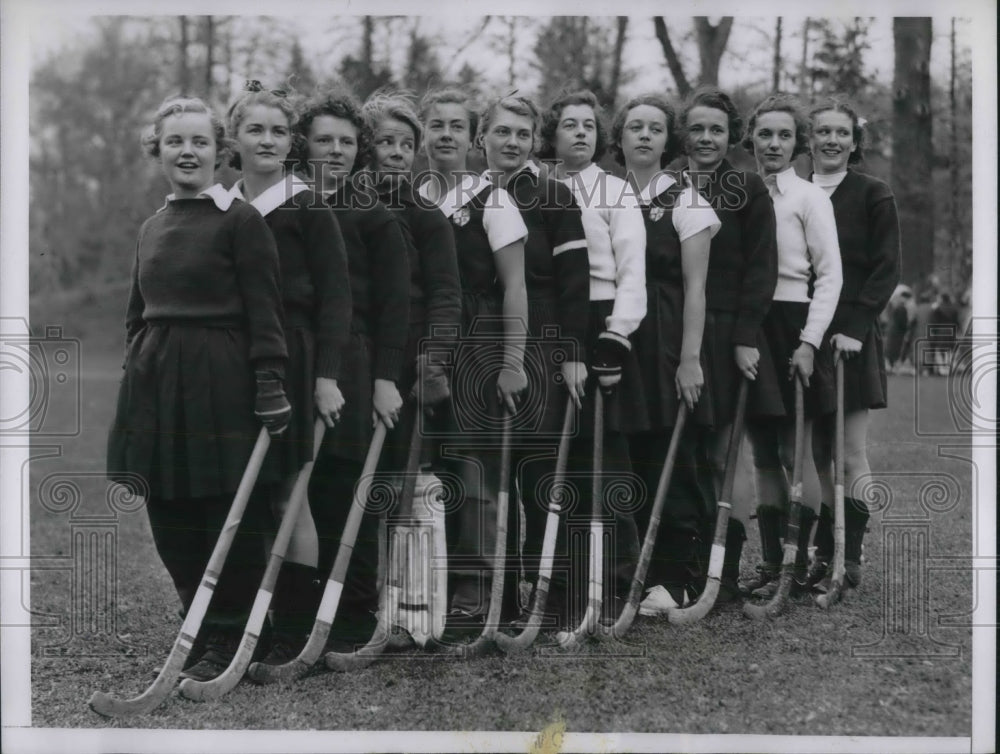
461,217
655,213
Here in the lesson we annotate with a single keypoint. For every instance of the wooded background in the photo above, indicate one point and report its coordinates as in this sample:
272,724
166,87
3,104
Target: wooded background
91,96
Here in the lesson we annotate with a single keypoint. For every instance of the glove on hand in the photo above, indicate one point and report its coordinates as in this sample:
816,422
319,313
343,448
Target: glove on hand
272,407
609,355
431,387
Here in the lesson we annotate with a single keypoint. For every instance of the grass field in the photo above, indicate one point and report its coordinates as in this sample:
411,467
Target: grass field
881,663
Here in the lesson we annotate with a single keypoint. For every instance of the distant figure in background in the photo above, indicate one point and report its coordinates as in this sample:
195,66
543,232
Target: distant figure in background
898,323
919,352
943,333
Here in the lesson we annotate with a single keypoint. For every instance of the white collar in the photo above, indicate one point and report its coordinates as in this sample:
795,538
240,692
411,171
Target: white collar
587,177
660,183
467,187
222,198
530,166
784,179
273,196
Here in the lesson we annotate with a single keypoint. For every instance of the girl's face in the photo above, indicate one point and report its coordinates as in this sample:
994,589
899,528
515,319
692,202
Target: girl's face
264,139
447,135
706,140
508,141
394,147
644,137
576,136
333,145
832,141
188,153
774,141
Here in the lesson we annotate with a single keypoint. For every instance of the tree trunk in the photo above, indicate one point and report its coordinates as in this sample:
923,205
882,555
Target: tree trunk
776,79
183,72
912,147
676,69
804,62
367,50
616,61
711,44
209,55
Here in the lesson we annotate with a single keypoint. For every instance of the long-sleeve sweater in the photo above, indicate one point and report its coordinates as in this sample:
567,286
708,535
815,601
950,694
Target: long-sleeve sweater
314,280
435,288
807,247
743,262
616,245
379,268
198,262
868,230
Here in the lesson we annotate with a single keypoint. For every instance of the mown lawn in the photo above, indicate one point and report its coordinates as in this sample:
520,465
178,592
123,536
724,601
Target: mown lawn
802,673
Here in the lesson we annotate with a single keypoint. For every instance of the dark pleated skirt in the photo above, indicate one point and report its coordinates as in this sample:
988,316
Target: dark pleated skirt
351,436
864,376
185,414
293,449
540,414
717,405
781,329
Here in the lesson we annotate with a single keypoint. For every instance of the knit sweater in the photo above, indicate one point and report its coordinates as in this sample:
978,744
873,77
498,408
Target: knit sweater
807,247
868,230
556,265
435,290
379,268
315,286
197,262
743,261
616,245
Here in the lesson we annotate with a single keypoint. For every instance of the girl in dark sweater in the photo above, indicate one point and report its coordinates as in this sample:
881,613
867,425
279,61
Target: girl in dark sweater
679,229
203,325
868,229
557,277
337,144
742,273
435,290
316,296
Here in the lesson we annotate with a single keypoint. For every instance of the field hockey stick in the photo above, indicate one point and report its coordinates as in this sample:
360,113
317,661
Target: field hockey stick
706,601
299,666
589,626
486,639
524,640
625,620
395,571
226,681
112,706
776,604
837,579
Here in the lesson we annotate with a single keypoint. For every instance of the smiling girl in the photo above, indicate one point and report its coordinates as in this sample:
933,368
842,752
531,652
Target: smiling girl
679,229
557,279
742,273
203,325
574,133
317,302
336,147
868,229
805,298
489,375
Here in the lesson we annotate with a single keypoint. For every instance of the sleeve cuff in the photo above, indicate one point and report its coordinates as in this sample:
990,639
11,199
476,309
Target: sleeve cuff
388,364
275,365
745,333
328,363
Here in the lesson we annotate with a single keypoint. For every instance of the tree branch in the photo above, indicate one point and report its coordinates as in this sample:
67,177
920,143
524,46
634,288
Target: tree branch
676,69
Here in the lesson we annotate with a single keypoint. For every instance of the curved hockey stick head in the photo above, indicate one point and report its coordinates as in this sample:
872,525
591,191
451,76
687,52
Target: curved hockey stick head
298,667
111,706
363,657
226,681
776,605
681,616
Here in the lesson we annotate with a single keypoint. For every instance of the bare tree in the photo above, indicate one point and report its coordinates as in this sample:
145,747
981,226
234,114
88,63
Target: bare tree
776,77
183,71
616,61
912,150
712,40
209,55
